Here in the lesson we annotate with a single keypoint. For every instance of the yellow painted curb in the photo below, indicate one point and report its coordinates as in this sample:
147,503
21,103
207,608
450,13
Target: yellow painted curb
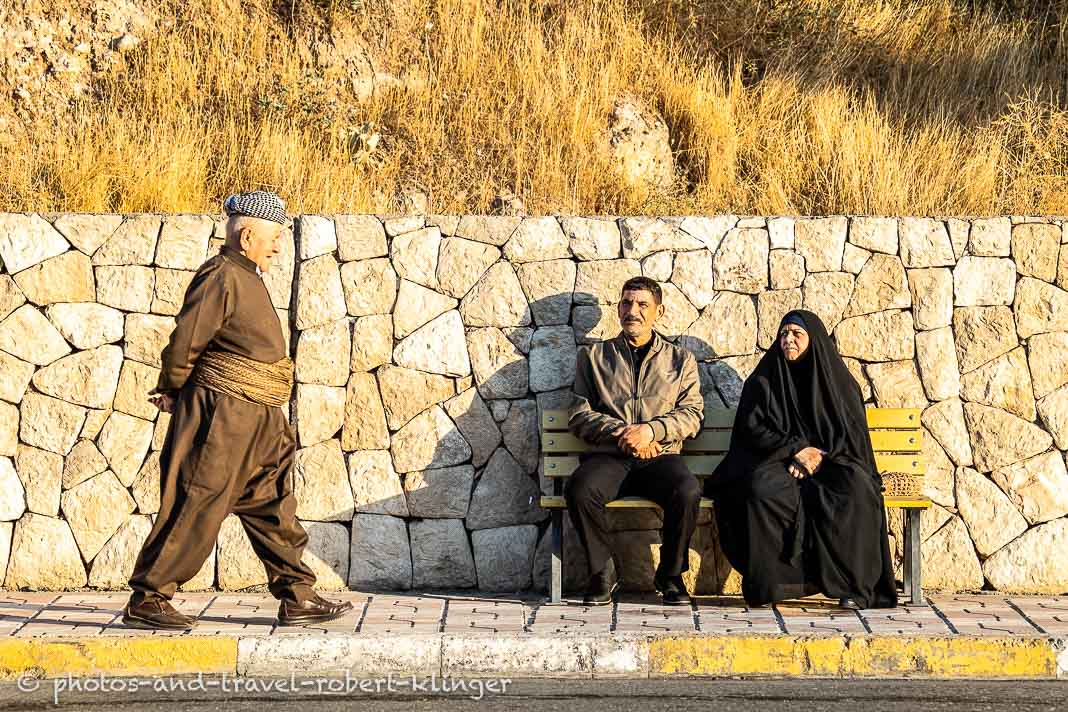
117,656
861,656
959,656
723,656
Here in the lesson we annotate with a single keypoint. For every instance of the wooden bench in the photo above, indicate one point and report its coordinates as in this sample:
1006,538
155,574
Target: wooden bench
895,434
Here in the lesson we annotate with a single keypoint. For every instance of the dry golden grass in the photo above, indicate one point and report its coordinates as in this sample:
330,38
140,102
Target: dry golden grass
800,106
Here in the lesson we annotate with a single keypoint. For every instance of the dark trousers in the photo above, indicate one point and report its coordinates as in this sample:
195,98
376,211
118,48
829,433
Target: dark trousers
223,455
666,480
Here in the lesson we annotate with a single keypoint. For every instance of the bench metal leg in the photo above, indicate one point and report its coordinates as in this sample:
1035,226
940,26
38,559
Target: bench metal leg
556,531
912,556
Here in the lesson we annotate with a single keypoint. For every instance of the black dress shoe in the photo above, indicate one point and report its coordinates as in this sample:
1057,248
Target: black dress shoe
155,614
672,589
848,604
602,587
312,610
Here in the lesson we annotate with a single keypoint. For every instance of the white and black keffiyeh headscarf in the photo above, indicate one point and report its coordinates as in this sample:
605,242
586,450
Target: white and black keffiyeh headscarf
257,204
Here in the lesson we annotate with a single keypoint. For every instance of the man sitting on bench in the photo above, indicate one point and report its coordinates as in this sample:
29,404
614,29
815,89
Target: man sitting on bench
636,398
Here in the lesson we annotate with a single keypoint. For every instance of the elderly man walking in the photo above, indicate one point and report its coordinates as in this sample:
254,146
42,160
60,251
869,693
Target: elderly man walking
229,448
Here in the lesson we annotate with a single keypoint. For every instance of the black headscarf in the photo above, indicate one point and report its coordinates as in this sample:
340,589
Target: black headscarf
786,407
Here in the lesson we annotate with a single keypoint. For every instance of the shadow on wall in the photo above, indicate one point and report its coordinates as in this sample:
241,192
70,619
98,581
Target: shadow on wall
464,512
636,532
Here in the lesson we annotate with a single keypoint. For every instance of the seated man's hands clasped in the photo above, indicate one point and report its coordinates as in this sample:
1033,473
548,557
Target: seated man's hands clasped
637,441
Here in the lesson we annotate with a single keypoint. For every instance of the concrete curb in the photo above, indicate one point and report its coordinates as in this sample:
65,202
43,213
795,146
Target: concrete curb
480,655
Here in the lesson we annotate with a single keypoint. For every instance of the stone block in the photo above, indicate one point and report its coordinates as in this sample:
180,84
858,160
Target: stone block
591,238
132,243
321,299
323,355
130,288
65,278
548,287
537,239
441,554
44,556
183,241
29,336
380,556
28,240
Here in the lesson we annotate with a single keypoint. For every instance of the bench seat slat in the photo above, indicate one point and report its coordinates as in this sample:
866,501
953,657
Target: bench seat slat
554,502
714,441
723,418
557,502
704,465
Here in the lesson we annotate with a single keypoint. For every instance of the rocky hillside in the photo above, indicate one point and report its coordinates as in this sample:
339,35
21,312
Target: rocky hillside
936,106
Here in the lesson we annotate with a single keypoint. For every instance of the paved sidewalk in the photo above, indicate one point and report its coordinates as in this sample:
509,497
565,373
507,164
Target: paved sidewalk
34,615
52,634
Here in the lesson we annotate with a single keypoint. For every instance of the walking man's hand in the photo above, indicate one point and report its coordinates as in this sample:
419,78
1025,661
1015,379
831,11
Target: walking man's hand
163,401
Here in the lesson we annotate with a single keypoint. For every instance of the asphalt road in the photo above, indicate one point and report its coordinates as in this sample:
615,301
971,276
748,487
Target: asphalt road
311,695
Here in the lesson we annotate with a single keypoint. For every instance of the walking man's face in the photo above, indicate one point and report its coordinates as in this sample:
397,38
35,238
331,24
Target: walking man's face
638,312
257,239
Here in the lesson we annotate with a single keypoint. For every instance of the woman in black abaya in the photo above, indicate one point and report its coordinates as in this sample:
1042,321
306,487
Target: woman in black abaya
798,497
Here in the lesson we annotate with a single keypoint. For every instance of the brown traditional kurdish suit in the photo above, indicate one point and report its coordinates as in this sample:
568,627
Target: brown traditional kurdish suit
223,454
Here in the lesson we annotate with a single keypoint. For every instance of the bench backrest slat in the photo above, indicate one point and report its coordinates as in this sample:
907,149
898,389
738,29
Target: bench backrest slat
896,436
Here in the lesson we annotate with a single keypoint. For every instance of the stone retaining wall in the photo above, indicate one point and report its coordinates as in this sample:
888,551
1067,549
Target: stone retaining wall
426,347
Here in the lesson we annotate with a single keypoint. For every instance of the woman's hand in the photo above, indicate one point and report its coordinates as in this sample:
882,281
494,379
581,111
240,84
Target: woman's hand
810,459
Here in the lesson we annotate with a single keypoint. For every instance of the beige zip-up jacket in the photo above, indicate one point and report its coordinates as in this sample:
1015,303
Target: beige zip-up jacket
667,394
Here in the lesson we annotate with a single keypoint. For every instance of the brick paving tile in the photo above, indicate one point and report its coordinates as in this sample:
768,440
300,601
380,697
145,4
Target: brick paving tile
719,615
652,603
983,615
483,629
746,621
1050,614
905,620
570,618
246,614
818,616
717,629
58,629
487,625
399,627
77,614
118,630
824,626
34,598
403,614
654,626
467,617
647,614
16,611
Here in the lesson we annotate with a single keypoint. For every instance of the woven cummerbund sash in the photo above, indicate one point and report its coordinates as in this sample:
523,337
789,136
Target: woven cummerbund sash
245,378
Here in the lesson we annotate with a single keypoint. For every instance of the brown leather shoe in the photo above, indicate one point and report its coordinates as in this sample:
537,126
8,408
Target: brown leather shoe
157,614
312,610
